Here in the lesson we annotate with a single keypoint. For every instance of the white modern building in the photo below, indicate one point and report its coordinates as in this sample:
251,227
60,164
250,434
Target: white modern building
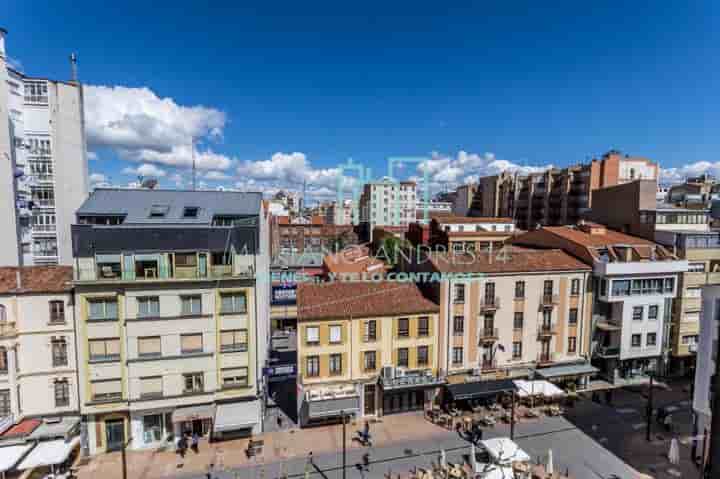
173,315
707,356
43,165
388,203
38,363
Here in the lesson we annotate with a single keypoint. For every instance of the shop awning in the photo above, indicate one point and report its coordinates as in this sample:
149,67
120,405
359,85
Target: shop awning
193,412
504,450
49,453
556,372
333,407
607,326
537,388
11,455
237,415
61,428
478,389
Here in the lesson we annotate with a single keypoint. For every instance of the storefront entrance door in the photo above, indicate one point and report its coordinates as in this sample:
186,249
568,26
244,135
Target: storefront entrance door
114,434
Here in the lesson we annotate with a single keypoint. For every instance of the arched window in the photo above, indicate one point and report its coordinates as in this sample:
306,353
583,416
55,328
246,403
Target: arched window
3,316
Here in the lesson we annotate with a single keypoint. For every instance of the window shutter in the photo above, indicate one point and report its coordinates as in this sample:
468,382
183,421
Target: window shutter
303,366
324,334
324,365
113,347
151,386
378,329
191,342
431,359
396,324
431,325
412,358
149,345
413,327
394,356
344,363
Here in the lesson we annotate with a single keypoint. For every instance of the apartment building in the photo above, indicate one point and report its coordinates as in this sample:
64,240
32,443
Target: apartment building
46,176
172,314
343,213
466,233
704,393
635,282
511,314
38,375
556,196
463,199
297,236
365,349
387,203
694,192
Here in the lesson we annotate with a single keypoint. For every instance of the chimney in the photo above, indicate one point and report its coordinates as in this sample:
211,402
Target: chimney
3,32
18,278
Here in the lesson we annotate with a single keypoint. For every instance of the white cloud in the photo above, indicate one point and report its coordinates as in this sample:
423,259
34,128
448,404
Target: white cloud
146,169
143,127
214,175
675,175
92,156
97,178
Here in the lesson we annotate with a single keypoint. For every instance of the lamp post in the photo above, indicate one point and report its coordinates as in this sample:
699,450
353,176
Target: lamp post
648,432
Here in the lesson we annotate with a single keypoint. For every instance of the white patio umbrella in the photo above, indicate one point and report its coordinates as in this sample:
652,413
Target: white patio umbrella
674,453
550,469
443,459
473,458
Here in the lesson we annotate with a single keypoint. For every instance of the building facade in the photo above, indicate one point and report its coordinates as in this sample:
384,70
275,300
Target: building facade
463,199
343,213
387,203
635,282
365,349
465,233
173,315
307,235
38,363
46,177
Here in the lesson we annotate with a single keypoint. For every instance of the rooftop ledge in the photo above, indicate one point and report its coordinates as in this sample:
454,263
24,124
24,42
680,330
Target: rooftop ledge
640,267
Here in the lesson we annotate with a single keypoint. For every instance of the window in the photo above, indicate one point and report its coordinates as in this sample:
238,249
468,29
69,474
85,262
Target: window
573,317
369,360
457,355
151,387
57,311
519,289
459,294
575,287
422,356
621,287
423,326
651,339
693,293
102,309
191,305
190,212
370,333
402,357
3,313
696,268
104,349
59,352
548,287
653,311
517,349
403,328
518,320
312,335
636,340
158,211
637,313
194,382
108,390
234,340
335,364
191,343
5,409
458,325
335,334
148,307
233,303
572,345
690,339
669,285
234,378
62,393
149,347
312,366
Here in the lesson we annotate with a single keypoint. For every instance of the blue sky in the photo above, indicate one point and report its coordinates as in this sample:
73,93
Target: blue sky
279,92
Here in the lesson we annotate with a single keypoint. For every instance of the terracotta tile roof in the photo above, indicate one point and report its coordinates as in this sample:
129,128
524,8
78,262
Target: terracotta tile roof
609,237
283,220
452,219
509,260
353,260
21,429
36,279
482,233
317,220
360,300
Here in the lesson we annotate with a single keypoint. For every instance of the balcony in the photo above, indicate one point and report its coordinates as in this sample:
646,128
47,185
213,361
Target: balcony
488,334
544,358
549,300
488,365
547,329
489,303
607,351
8,329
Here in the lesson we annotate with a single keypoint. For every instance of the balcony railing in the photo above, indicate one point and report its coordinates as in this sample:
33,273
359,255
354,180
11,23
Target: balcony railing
607,351
489,303
547,329
116,273
544,358
549,300
489,334
8,329
488,365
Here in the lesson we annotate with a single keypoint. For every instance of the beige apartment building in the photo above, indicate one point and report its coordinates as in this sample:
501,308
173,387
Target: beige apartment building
37,344
511,313
172,325
365,349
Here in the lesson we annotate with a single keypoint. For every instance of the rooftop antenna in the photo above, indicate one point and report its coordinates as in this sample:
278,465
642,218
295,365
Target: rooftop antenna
192,155
73,67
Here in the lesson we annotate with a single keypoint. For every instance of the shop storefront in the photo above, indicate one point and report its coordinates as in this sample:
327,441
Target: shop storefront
151,428
237,419
412,392
193,420
481,392
328,406
570,377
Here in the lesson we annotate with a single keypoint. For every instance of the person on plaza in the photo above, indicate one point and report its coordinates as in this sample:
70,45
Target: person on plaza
279,421
194,444
366,431
366,461
668,422
182,446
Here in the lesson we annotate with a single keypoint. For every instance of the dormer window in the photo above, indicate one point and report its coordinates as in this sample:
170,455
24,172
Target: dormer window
190,212
158,211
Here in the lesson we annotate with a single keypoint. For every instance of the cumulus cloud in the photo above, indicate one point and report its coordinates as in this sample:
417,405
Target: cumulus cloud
146,169
97,178
92,156
214,175
676,175
143,127
290,170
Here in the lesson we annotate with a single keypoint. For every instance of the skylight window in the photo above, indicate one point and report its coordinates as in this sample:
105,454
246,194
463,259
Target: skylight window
158,211
191,212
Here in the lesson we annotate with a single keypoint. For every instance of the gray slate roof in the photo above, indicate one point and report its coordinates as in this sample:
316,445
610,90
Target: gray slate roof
136,204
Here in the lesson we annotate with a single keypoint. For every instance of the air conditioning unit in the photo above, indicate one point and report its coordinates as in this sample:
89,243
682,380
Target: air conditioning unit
388,372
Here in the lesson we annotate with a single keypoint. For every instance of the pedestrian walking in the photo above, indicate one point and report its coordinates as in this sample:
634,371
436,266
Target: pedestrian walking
668,422
195,443
279,421
366,461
